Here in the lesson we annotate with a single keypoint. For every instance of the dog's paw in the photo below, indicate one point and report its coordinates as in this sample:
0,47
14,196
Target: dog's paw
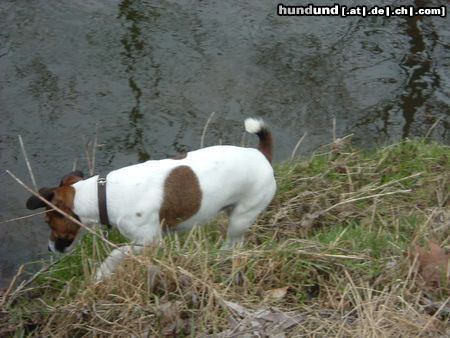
102,272
110,264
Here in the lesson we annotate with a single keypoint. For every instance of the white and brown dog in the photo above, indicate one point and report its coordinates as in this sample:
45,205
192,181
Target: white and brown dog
145,199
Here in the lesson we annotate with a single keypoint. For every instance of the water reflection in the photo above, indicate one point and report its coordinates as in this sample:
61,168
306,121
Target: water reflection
422,79
409,95
133,46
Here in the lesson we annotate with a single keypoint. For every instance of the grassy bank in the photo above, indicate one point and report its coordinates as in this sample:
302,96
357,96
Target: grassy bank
351,246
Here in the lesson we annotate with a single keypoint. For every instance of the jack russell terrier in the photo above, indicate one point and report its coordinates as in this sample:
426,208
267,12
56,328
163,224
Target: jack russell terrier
144,200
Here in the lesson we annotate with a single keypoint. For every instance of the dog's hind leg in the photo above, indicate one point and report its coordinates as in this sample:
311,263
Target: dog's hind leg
239,224
241,218
244,214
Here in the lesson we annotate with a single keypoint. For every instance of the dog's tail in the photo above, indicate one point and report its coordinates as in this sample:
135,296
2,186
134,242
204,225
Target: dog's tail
259,127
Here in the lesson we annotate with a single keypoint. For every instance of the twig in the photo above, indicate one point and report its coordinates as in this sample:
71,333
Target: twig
74,166
334,128
24,217
396,181
243,139
304,252
366,197
94,149
88,157
202,140
432,318
29,281
433,126
298,145
6,294
24,152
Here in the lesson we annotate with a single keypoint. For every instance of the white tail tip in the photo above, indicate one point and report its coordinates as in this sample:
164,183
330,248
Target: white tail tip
254,125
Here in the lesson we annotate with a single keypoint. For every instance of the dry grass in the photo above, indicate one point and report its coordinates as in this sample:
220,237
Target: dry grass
331,257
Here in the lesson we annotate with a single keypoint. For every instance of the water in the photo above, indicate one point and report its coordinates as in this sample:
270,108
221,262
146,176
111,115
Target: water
150,73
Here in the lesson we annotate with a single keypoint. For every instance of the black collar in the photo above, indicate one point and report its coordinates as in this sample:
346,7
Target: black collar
102,208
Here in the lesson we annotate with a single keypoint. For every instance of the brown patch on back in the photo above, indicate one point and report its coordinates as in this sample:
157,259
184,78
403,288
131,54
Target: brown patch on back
182,196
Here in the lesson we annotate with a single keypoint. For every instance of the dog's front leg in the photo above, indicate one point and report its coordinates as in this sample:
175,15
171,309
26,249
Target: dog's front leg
114,259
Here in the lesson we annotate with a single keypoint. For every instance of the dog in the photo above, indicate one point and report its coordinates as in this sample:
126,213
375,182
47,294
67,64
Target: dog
145,200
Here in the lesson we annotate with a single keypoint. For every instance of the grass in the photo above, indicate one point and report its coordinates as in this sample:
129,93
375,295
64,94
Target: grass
332,256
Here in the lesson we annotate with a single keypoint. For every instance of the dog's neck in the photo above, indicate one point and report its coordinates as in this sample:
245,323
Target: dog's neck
86,201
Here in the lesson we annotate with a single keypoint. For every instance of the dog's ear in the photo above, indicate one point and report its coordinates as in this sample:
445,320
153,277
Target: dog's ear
77,173
34,203
71,178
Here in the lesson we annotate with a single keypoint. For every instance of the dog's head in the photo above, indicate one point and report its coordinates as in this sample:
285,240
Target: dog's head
63,231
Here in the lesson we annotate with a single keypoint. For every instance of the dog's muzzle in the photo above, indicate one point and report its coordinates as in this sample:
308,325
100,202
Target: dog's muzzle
60,245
